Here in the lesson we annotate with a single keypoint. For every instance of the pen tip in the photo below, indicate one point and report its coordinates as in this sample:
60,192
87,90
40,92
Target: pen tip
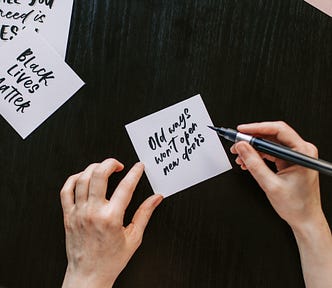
213,128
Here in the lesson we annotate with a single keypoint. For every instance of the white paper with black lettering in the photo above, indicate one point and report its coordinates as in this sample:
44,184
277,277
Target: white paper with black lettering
177,148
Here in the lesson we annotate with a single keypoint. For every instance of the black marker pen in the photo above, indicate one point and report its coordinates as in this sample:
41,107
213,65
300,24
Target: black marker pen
277,150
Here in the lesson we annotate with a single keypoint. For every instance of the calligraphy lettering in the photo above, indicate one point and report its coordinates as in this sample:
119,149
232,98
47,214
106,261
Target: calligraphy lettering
48,3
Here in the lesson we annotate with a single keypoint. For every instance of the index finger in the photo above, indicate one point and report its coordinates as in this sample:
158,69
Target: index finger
278,130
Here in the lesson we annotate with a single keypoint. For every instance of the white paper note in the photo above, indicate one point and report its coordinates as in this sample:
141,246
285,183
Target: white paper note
323,5
177,148
34,82
49,17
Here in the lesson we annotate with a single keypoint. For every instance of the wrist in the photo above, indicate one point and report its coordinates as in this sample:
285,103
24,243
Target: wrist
314,241
74,279
316,229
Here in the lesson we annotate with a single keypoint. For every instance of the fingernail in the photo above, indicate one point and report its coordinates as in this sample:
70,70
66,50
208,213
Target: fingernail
242,126
140,165
157,200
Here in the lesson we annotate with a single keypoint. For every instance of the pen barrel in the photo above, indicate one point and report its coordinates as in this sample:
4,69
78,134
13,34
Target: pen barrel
287,154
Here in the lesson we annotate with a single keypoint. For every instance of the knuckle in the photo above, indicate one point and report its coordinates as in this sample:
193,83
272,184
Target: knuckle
111,161
64,188
90,213
100,218
136,237
67,224
63,196
238,161
99,172
311,149
63,192
253,163
102,170
69,220
127,181
282,125
91,166
145,213
88,218
83,179
71,178
113,220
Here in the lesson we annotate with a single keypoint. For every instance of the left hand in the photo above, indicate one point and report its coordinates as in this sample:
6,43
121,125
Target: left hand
98,245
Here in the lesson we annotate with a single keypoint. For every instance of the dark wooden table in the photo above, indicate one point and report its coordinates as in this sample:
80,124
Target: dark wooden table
251,60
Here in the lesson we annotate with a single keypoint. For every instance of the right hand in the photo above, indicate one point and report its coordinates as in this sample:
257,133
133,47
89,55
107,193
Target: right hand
294,190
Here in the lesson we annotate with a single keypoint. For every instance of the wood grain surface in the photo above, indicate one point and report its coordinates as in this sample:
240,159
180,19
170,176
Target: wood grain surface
251,60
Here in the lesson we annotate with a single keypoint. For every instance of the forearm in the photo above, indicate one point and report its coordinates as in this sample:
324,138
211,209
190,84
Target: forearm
74,280
315,246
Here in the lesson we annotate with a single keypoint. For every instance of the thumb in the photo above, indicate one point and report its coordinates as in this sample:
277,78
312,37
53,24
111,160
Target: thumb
144,212
256,165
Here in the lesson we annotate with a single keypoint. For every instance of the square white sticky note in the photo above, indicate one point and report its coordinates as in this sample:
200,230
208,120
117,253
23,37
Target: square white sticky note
34,82
177,147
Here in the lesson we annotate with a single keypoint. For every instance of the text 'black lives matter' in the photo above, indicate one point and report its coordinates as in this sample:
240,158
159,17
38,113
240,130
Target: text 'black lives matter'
25,72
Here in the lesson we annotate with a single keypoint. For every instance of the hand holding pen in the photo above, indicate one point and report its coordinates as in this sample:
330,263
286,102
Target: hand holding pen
295,195
292,184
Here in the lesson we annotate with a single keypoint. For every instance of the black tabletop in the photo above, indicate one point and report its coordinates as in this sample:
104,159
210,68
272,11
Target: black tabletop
251,60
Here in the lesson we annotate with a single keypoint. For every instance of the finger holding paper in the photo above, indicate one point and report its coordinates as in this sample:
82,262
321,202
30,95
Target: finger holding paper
98,245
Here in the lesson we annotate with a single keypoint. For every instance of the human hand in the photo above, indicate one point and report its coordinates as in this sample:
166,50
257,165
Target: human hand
98,245
294,190
294,193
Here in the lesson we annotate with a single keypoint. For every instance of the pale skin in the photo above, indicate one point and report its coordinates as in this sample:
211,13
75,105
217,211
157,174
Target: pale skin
295,195
98,245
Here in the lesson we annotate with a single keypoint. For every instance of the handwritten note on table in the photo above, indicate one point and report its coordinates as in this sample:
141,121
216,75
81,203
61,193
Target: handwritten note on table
34,82
177,147
49,17
323,5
